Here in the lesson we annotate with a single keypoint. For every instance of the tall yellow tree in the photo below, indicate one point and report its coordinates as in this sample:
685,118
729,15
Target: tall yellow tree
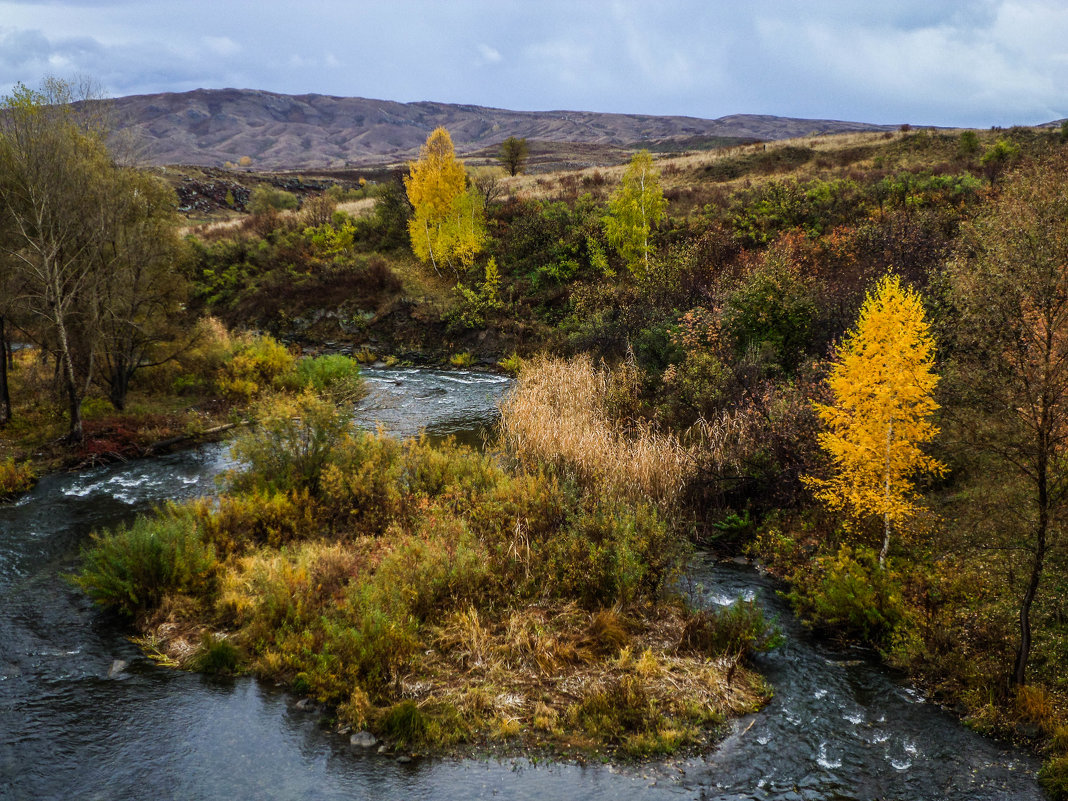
447,225
882,382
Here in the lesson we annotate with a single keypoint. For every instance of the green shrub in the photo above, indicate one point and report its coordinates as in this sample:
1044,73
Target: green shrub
290,444
850,593
1054,777
216,655
132,568
610,552
738,630
411,725
266,198
334,375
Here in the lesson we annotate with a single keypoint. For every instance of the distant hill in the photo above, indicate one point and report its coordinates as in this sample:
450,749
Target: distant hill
210,126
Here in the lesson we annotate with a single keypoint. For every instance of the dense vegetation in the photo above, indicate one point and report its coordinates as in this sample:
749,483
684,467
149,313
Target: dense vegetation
722,343
687,323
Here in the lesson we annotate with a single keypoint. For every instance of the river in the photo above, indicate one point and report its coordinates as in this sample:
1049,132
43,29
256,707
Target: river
83,715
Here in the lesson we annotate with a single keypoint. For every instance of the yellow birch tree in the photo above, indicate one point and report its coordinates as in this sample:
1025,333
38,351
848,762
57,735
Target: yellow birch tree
882,382
447,225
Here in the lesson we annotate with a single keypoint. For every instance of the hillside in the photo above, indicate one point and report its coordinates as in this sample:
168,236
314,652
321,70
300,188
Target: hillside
210,126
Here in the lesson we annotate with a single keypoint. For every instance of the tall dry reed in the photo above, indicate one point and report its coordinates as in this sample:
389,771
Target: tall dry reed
557,415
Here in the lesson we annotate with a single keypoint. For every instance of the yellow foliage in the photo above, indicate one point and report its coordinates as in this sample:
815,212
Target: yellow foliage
448,221
882,382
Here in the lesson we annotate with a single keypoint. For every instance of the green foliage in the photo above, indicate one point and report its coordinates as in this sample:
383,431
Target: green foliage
217,656
968,145
851,594
265,198
333,375
131,569
611,551
772,311
998,157
511,364
290,444
738,630
514,152
1054,777
475,306
634,210
759,216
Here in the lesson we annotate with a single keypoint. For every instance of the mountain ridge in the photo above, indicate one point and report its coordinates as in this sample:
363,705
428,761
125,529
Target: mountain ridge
207,127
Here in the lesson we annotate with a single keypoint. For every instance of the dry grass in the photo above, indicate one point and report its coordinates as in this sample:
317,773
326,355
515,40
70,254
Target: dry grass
541,669
557,415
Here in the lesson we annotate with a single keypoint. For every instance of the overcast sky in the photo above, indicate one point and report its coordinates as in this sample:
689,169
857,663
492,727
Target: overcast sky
939,62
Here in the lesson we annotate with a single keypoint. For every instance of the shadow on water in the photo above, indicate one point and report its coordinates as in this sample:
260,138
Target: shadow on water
75,723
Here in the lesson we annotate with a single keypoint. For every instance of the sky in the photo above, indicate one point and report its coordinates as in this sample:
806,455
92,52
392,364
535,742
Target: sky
969,63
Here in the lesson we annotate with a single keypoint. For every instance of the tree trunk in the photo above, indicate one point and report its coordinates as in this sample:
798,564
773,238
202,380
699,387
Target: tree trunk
64,360
886,499
5,396
120,386
1023,651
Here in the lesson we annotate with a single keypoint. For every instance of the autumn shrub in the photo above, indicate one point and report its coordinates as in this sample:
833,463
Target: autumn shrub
618,709
131,569
610,551
360,488
261,516
290,444
15,477
257,363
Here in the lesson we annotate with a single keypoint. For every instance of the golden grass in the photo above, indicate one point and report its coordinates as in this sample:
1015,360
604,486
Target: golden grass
557,415
539,669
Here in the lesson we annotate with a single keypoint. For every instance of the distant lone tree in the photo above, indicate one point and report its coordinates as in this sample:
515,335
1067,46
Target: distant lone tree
968,145
447,225
997,158
514,154
633,210
883,383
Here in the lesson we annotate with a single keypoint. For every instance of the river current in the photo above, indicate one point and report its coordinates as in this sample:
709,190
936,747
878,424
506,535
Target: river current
83,715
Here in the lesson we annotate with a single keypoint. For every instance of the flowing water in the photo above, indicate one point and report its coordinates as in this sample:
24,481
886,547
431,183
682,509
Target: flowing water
84,716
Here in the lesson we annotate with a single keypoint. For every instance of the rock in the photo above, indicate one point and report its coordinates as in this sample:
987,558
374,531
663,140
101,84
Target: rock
117,667
404,759
363,739
307,705
383,748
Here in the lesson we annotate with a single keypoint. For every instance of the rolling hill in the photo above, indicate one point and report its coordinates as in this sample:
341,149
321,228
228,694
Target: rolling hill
210,126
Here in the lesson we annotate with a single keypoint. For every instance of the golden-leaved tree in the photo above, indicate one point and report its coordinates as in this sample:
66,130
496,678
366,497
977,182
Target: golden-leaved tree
883,383
447,225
